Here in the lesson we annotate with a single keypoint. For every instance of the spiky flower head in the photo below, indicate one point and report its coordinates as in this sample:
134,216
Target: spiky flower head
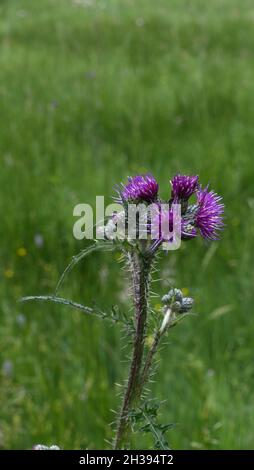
183,187
162,222
167,224
209,214
165,220
140,188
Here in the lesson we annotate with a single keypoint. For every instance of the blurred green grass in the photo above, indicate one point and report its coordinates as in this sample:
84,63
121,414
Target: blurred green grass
92,91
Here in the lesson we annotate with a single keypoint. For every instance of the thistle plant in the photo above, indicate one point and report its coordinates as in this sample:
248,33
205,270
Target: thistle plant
140,249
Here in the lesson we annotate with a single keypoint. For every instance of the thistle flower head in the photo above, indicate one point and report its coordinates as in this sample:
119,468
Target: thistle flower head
209,215
140,188
162,222
183,187
172,220
165,220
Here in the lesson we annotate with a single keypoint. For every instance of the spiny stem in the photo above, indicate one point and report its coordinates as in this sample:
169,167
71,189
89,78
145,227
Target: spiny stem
140,268
153,349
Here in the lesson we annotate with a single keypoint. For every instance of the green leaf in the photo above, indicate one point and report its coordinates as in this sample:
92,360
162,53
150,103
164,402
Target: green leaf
93,311
146,419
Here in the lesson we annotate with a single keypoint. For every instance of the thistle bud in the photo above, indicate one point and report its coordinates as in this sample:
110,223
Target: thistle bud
187,304
175,300
166,299
177,294
176,306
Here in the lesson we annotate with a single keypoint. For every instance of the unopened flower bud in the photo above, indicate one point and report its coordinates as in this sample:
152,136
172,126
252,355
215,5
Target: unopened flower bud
173,294
166,299
176,306
187,304
177,294
175,300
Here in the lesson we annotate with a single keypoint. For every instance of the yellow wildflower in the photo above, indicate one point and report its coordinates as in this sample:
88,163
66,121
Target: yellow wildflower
21,251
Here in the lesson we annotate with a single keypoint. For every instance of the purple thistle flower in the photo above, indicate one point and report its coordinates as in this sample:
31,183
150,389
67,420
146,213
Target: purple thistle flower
183,186
209,215
163,223
140,188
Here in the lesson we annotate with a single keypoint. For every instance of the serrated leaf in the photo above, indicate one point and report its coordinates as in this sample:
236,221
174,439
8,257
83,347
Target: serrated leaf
93,311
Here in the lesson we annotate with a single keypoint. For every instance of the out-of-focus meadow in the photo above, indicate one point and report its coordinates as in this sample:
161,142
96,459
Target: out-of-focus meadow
92,91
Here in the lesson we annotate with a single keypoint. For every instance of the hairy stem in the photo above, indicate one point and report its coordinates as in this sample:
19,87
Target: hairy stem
140,269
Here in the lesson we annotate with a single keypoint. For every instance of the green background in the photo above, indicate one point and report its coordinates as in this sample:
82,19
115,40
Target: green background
90,92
